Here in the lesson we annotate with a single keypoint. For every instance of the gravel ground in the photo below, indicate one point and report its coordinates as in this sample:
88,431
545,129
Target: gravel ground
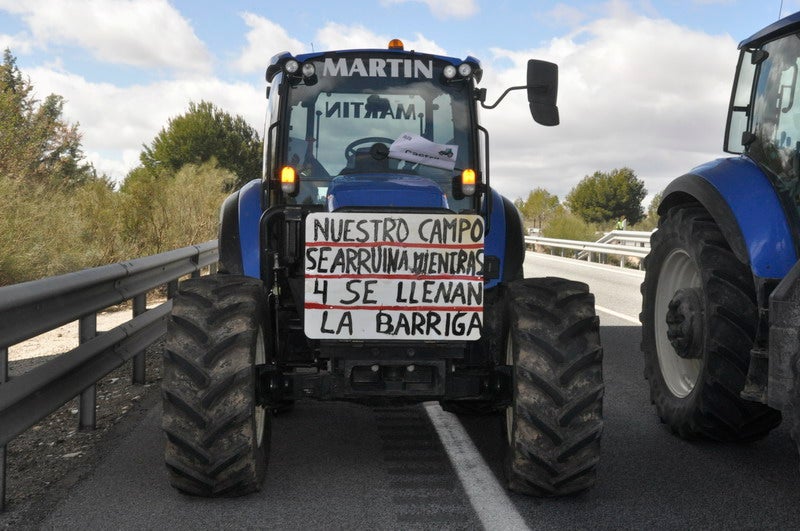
44,462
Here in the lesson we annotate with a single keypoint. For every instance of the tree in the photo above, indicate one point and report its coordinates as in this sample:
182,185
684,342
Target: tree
36,143
603,197
538,207
203,133
650,221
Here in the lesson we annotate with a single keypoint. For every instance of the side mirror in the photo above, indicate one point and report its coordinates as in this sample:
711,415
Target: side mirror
543,91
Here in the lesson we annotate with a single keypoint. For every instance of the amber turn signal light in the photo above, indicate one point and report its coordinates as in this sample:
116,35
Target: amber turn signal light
469,181
289,180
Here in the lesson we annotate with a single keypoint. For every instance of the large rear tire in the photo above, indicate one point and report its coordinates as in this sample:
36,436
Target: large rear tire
555,422
217,436
699,320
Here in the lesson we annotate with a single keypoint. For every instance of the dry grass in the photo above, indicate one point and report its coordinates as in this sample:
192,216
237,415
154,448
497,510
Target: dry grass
45,231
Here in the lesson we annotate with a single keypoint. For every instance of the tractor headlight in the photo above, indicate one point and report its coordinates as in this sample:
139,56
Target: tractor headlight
449,72
308,69
291,66
464,70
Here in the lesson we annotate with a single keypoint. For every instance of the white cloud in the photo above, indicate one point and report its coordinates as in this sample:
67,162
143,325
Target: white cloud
141,33
334,36
565,14
264,39
445,9
16,43
117,120
633,91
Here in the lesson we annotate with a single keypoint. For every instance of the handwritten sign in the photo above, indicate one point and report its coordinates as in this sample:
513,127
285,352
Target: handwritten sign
394,276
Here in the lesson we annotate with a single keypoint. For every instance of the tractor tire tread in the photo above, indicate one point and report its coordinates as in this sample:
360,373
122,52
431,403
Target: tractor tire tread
208,387
558,388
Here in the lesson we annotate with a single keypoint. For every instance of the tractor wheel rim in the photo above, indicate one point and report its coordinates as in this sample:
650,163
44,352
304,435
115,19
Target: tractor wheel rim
260,414
680,374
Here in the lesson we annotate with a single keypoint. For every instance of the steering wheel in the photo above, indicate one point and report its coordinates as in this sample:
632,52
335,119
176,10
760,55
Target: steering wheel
350,150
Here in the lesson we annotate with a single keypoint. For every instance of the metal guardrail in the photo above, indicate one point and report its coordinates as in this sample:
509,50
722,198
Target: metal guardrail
624,237
639,249
31,308
632,236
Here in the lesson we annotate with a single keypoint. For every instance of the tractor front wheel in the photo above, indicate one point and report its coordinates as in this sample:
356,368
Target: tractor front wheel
217,435
554,424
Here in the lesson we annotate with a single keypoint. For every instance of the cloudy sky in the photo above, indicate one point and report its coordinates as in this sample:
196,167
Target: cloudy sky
643,83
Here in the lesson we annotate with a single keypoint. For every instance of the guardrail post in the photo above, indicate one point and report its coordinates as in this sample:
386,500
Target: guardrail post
3,365
139,307
172,289
3,462
2,479
87,408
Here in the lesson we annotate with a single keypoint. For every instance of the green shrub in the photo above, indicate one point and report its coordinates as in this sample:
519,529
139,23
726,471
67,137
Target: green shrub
160,213
565,225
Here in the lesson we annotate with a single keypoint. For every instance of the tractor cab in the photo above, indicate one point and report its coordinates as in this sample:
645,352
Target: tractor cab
377,128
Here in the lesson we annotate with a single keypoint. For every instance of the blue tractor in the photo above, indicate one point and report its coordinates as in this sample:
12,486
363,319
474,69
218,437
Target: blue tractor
721,299
373,262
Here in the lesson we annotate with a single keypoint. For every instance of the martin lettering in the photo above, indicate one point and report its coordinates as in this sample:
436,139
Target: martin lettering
378,67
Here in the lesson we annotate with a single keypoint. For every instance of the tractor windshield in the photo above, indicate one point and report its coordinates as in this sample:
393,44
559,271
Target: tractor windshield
345,119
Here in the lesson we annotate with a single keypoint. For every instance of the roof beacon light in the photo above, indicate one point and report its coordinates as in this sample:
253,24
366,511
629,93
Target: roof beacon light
289,180
468,182
396,44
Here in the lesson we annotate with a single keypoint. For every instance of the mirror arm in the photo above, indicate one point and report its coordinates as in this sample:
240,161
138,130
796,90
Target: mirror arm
503,95
487,190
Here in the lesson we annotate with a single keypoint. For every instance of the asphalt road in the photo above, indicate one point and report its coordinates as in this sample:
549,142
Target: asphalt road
343,466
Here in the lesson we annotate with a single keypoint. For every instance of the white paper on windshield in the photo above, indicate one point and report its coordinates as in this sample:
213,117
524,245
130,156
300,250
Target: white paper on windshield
414,148
394,276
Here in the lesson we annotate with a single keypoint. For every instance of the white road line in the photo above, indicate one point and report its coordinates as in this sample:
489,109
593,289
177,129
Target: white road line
486,495
634,320
581,263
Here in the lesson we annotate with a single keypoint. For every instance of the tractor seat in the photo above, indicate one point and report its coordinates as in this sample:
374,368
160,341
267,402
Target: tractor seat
363,161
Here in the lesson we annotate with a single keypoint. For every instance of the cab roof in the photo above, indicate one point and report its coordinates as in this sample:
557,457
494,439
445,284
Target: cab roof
784,26
276,63
367,51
